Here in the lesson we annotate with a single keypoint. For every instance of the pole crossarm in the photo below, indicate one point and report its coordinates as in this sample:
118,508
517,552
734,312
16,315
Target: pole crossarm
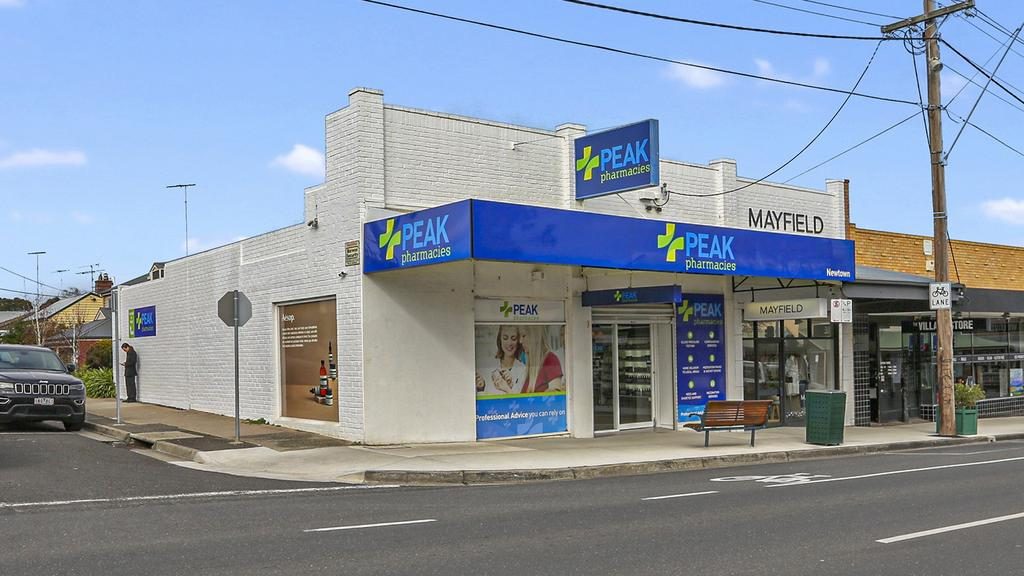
906,22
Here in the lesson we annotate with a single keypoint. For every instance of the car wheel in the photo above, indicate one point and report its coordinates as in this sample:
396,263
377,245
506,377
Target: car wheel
73,426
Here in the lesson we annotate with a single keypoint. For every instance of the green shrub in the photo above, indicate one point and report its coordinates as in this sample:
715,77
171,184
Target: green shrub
99,382
100,356
967,395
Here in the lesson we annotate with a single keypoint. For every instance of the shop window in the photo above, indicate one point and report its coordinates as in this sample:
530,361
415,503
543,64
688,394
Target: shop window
308,341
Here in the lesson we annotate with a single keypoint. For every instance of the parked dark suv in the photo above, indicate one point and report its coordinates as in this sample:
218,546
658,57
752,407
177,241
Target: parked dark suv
35,386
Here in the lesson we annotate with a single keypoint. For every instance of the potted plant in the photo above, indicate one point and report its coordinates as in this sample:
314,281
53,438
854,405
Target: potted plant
966,397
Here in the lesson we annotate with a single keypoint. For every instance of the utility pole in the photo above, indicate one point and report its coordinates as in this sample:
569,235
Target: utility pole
943,317
184,188
39,334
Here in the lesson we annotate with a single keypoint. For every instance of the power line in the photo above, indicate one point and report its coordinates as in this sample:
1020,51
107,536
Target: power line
853,9
27,294
718,24
638,54
854,147
806,146
29,279
818,13
978,101
985,32
995,24
957,118
920,98
971,81
981,70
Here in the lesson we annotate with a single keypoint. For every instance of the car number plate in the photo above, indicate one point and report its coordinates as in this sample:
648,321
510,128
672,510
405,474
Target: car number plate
44,401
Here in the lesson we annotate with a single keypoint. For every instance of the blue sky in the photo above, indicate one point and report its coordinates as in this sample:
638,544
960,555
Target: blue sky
104,103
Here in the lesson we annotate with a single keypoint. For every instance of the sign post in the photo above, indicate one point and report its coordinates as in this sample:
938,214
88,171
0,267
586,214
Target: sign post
234,309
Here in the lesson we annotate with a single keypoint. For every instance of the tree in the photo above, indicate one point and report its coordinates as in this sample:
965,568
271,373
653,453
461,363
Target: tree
100,355
19,333
15,305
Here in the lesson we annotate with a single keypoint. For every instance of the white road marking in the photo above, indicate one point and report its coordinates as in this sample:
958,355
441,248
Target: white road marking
680,495
192,495
908,471
333,528
949,529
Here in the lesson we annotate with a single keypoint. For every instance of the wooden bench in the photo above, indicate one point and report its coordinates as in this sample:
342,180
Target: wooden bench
747,415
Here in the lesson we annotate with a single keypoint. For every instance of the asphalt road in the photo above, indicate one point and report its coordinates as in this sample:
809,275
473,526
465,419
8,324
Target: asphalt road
813,517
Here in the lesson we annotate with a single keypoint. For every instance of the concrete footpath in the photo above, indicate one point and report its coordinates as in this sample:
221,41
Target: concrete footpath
204,442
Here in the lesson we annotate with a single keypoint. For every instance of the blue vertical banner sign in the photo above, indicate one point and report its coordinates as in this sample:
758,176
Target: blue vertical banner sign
700,353
617,160
142,322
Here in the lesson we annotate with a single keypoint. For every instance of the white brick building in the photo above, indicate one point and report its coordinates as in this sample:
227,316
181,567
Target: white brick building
405,339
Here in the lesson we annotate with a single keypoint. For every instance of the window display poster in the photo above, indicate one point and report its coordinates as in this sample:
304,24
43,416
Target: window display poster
700,353
308,337
520,380
1016,381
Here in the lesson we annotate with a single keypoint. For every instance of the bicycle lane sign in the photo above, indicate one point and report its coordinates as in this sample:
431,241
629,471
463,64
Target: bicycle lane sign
939,296
793,478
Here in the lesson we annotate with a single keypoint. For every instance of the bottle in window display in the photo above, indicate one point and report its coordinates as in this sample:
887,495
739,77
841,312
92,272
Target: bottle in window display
333,372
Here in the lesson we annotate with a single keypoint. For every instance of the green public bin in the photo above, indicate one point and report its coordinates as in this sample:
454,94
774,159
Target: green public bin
826,417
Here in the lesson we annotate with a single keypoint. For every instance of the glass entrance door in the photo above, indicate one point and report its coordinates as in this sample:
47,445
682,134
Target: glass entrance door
603,343
623,376
635,376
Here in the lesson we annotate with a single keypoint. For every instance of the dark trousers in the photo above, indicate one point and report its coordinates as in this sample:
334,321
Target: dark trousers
129,384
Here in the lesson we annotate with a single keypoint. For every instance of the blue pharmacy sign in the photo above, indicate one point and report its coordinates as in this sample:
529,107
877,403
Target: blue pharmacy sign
429,236
617,160
520,415
645,295
700,353
486,230
142,322
517,233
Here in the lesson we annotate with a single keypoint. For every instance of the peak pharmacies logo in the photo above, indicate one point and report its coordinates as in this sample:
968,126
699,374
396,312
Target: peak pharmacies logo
702,251
524,311
626,296
417,240
614,162
701,312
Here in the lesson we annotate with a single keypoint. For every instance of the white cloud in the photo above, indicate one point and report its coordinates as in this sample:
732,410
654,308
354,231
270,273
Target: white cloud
82,217
698,78
1005,209
764,67
12,3
302,160
950,84
821,67
38,157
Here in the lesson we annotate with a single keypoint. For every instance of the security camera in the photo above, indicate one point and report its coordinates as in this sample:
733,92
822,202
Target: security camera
650,204
313,223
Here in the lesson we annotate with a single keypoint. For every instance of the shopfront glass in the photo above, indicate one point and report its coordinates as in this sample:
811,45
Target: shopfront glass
635,354
983,350
308,338
623,377
783,360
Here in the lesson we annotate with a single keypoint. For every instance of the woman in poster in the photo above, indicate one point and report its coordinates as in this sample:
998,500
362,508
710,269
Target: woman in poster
543,368
509,376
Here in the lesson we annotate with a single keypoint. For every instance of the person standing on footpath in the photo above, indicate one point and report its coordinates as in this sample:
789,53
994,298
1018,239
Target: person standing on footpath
131,370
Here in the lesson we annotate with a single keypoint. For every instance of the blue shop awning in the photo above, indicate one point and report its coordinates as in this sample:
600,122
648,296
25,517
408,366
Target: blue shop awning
486,230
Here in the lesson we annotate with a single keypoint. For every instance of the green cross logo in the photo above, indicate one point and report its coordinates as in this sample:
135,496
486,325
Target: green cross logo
668,240
587,163
685,310
390,238
618,296
505,309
